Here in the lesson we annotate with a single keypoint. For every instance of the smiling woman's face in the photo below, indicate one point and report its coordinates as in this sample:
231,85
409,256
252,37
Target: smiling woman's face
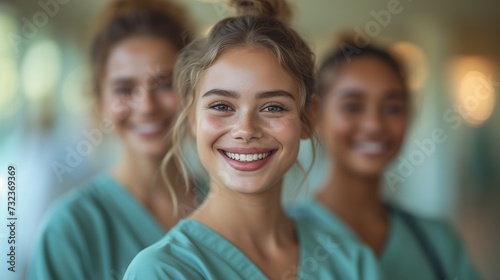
137,94
364,117
247,120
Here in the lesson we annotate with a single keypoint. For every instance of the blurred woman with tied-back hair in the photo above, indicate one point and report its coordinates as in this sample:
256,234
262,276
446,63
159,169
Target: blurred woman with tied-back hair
362,120
94,232
245,92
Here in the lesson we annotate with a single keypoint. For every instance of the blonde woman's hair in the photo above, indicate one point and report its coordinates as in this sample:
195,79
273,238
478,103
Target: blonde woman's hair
259,23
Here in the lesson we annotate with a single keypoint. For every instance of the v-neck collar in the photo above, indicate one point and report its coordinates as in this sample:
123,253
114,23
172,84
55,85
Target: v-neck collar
327,216
212,240
129,204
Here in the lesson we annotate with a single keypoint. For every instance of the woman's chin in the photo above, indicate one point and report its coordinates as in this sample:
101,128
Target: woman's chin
369,172
155,153
248,187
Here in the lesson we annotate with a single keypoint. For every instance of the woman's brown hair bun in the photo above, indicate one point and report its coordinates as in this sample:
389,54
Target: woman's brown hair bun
277,9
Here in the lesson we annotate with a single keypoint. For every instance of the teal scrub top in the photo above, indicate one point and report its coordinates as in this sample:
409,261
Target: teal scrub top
93,233
403,256
192,250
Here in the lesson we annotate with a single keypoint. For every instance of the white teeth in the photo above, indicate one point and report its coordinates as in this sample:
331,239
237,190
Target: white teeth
370,147
247,157
148,127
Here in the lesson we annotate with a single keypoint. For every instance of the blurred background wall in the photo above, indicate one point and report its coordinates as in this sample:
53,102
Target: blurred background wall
450,47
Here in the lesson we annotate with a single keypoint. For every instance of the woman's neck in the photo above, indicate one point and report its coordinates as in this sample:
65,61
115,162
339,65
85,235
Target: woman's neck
142,178
256,224
140,175
254,219
356,201
351,194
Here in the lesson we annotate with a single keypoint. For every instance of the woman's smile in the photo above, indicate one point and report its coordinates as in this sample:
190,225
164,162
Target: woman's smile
247,159
151,130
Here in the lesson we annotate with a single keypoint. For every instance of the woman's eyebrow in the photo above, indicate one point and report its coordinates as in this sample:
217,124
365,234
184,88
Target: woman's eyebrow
351,93
122,80
161,76
233,94
221,92
275,93
395,94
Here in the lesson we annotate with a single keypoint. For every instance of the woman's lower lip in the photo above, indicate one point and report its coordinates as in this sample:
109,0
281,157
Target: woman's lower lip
372,155
246,165
152,134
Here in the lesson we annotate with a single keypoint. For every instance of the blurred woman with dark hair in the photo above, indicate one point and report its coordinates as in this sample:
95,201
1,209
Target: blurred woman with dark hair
362,119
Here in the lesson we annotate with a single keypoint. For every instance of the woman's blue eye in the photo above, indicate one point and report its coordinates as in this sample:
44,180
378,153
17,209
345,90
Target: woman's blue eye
395,109
123,91
351,108
165,86
221,107
273,108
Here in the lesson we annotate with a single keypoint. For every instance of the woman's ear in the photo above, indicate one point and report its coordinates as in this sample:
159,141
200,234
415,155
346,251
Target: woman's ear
312,113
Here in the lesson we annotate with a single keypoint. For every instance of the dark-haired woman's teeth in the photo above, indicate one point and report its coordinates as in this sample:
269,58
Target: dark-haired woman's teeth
148,127
247,157
370,147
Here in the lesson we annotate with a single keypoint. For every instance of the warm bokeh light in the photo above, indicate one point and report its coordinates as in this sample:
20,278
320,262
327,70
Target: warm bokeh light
206,30
415,61
41,69
473,91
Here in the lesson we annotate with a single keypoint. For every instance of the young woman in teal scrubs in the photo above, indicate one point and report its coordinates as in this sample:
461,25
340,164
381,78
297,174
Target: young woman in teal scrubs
95,232
245,92
362,121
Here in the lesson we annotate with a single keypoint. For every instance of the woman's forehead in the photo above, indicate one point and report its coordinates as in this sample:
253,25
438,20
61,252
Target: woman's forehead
245,70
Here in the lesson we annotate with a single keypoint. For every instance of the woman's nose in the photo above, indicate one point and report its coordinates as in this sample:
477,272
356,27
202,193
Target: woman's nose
247,127
144,101
373,122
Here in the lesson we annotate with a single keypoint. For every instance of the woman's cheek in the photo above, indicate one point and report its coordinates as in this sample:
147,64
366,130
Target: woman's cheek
210,125
287,130
284,124
171,102
335,129
399,129
344,124
116,108
276,125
